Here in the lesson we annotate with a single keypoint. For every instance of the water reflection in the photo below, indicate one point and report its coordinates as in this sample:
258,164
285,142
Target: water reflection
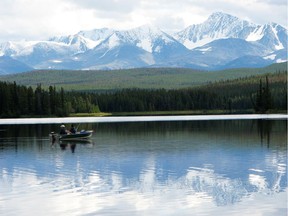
72,144
171,168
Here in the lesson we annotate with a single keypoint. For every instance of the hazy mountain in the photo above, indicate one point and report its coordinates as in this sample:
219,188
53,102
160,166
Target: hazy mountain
9,65
222,41
219,52
247,62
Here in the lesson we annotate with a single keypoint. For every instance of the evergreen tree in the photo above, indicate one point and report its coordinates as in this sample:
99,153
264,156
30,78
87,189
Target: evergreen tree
267,97
264,100
53,101
30,101
259,98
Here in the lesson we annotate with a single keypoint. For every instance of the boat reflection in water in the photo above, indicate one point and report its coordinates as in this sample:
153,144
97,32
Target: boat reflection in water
73,143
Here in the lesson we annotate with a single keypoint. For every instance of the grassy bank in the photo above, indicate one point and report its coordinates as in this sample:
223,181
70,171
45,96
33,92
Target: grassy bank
98,114
167,113
160,113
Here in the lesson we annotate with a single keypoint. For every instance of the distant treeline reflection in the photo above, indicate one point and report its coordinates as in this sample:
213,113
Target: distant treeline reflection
258,93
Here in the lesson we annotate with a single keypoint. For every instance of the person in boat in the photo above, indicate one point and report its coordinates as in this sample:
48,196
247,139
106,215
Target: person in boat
72,129
63,130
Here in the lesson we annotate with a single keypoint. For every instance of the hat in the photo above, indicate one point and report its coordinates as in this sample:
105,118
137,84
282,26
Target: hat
62,126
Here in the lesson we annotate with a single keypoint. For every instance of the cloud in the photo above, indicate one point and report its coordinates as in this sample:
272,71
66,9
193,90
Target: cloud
257,11
108,6
40,19
170,24
273,2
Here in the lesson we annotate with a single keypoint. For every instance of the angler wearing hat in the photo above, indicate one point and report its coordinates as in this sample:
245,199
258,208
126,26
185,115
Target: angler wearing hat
63,129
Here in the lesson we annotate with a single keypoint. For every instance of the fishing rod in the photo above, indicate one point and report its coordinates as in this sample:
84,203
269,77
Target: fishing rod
78,126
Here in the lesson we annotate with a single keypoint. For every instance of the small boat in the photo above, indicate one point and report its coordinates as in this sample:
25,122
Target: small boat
75,136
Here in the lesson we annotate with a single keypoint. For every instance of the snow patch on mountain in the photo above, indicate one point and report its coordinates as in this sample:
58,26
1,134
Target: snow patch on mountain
57,61
113,41
278,44
145,44
271,57
204,49
281,60
256,35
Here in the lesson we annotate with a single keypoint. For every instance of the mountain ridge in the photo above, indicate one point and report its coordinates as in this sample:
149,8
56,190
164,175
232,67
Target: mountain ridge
221,41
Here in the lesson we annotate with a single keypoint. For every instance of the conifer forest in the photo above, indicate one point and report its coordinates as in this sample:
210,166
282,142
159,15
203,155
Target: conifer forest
256,94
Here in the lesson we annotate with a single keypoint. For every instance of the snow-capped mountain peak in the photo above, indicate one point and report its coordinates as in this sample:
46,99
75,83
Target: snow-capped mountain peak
149,31
77,43
17,48
218,26
221,41
222,19
97,34
145,37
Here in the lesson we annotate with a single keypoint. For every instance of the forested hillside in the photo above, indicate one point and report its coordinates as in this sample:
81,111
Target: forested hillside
261,93
252,93
143,78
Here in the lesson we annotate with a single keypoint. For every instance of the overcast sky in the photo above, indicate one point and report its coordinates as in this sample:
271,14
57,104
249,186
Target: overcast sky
41,19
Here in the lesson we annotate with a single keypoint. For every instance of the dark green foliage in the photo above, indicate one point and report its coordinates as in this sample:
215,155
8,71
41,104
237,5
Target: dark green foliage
19,101
239,94
135,100
264,100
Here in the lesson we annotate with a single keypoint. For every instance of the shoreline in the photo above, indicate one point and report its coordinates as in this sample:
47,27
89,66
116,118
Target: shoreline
115,119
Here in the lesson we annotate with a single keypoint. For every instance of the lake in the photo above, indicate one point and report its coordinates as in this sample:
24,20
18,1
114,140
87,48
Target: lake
219,167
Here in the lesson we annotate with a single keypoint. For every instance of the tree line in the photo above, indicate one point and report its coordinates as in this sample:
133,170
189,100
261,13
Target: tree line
260,94
18,100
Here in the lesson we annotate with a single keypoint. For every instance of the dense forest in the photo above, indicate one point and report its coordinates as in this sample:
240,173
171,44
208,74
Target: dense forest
260,93
18,100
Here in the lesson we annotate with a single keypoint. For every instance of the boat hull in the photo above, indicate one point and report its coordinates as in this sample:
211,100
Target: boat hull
77,136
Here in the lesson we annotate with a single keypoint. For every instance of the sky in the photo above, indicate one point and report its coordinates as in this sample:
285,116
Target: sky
42,19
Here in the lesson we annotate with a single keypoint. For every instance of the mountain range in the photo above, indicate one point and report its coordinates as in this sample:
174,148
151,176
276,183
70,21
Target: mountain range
222,41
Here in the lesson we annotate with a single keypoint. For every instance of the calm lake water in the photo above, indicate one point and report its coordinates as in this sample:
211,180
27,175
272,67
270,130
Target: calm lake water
231,167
